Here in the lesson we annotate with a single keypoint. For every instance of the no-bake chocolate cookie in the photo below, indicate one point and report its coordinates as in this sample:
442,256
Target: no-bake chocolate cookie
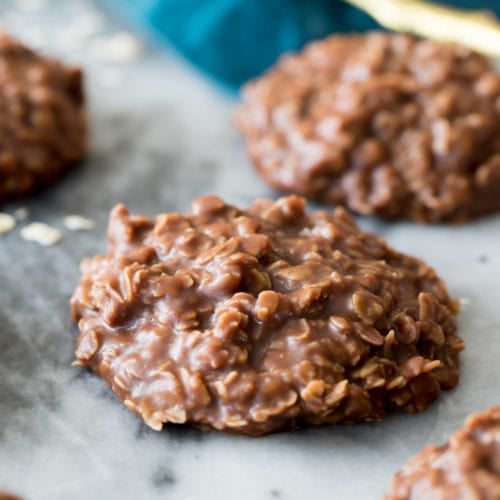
467,467
8,496
42,120
384,124
256,320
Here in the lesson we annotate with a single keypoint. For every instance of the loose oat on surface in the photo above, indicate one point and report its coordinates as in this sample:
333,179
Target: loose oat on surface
41,233
467,467
382,123
7,223
78,223
256,320
42,121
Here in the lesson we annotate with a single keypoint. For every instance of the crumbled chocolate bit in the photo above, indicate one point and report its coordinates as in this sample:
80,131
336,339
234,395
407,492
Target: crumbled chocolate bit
382,123
468,466
42,120
251,321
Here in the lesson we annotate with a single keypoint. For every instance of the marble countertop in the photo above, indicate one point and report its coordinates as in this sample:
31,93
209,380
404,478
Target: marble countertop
161,136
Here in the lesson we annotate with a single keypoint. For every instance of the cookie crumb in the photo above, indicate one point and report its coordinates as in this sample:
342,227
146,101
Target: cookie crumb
41,233
78,223
7,223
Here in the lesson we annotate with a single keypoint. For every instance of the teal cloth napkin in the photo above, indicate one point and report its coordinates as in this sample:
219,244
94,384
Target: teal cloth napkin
234,40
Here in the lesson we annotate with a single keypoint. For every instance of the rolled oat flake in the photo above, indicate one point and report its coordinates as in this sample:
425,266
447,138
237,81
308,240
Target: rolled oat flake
41,233
78,223
7,223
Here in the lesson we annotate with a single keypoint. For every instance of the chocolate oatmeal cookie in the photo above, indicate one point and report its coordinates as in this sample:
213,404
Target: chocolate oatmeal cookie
467,467
384,124
42,120
8,496
256,320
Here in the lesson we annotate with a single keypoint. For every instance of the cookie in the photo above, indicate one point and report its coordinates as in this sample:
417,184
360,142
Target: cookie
251,321
43,128
381,123
468,466
8,496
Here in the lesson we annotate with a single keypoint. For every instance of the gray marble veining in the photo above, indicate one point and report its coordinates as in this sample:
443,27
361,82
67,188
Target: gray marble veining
159,139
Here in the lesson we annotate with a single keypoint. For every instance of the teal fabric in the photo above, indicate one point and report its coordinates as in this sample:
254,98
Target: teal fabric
234,40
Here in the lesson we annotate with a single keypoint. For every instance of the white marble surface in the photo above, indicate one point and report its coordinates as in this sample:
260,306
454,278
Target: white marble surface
160,138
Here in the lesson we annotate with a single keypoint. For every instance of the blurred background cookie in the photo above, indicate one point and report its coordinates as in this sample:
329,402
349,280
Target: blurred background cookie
384,124
43,128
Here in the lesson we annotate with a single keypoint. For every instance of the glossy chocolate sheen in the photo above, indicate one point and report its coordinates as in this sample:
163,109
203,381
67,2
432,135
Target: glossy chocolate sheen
382,123
467,467
256,320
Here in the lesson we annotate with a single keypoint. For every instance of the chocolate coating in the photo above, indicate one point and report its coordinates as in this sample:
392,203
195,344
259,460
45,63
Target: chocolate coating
468,466
8,496
384,124
42,122
256,320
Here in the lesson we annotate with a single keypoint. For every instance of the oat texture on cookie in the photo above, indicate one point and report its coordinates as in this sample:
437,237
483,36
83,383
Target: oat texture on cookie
257,320
43,129
467,466
384,124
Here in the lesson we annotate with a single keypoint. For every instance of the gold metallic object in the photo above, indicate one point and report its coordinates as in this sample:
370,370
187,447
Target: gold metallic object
479,30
